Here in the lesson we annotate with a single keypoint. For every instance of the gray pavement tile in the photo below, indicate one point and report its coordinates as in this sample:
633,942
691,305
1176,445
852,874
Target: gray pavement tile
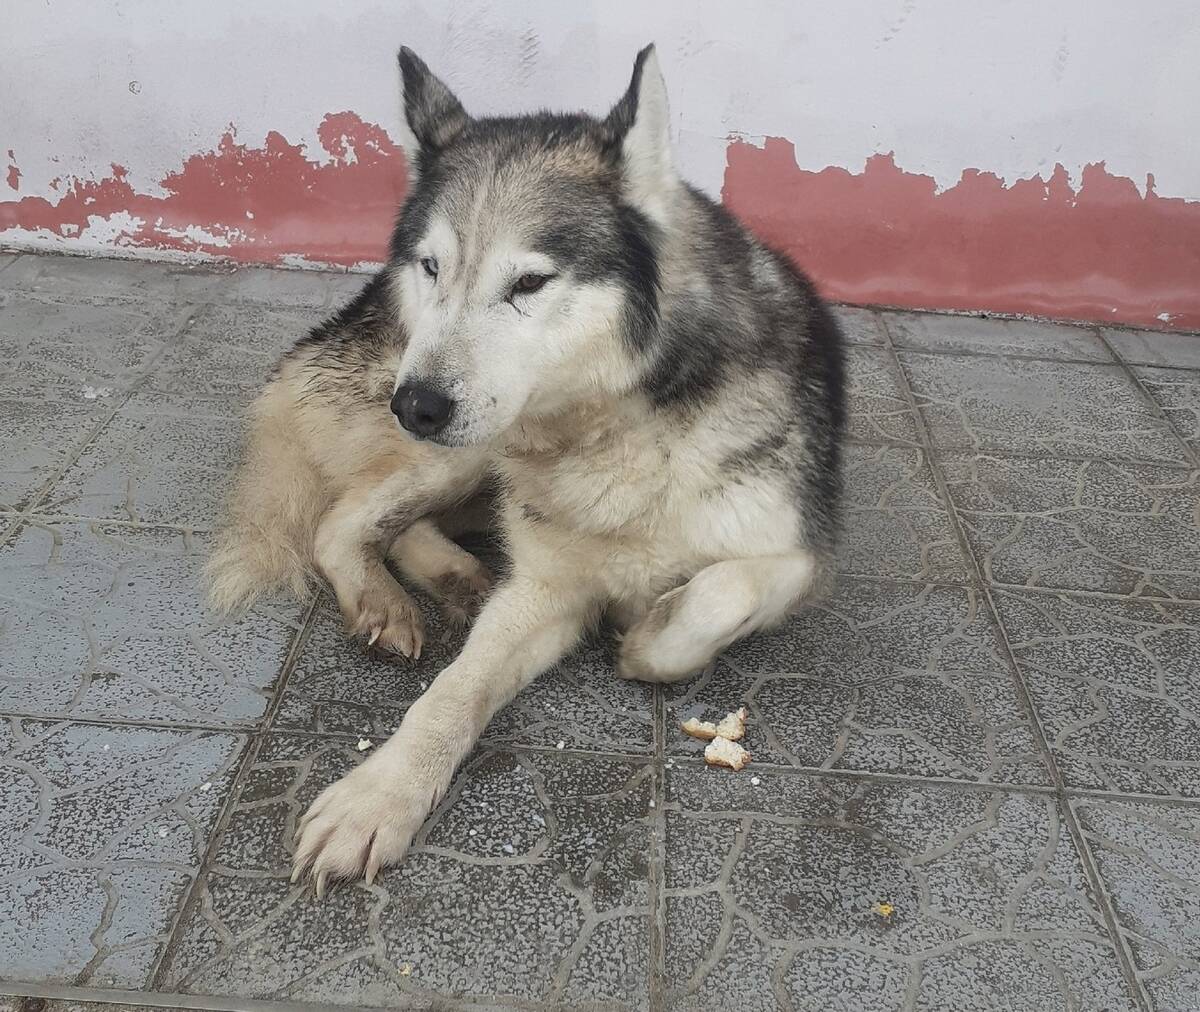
52,1005
261,286
860,325
1023,405
78,352
936,332
529,883
94,278
1114,683
336,687
163,459
774,891
104,829
886,678
1149,861
1080,525
1156,347
878,408
109,622
1177,392
896,524
7,260
228,350
37,438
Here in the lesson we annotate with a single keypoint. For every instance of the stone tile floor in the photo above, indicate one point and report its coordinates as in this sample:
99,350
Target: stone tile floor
991,732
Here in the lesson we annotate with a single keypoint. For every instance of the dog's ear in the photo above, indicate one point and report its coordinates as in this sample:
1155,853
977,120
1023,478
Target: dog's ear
640,122
434,116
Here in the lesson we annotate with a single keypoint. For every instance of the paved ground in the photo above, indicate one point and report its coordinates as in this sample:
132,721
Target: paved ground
992,730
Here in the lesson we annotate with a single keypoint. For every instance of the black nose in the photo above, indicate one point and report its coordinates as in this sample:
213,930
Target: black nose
421,409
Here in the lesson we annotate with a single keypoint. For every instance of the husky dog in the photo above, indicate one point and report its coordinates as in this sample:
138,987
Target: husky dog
660,395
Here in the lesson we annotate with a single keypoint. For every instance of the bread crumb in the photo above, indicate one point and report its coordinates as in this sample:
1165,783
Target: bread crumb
733,725
561,745
406,970
723,752
364,744
883,909
705,730
755,781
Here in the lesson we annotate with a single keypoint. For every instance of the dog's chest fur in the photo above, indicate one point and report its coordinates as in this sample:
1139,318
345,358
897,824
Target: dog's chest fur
635,501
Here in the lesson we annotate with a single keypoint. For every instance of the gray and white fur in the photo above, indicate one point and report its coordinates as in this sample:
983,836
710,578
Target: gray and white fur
659,395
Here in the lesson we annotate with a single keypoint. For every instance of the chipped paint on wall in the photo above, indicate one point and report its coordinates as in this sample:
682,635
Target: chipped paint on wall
269,203
1094,248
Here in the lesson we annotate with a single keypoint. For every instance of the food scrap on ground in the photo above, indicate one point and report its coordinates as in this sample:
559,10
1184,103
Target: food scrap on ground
883,909
364,744
723,752
732,727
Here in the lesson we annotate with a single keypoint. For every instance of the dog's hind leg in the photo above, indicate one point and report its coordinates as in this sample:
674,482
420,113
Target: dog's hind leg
687,627
457,579
272,514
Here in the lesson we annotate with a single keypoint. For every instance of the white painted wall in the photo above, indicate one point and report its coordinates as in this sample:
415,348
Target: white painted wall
1010,86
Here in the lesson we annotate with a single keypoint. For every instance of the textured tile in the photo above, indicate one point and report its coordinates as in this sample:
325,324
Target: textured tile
859,325
1149,861
936,332
896,524
1115,686
338,688
878,407
37,438
772,894
528,883
1037,407
92,278
881,677
229,349
260,286
161,460
1091,525
105,622
104,829
1156,347
1178,393
78,352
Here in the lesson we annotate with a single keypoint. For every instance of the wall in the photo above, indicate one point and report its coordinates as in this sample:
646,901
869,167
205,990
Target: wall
1025,156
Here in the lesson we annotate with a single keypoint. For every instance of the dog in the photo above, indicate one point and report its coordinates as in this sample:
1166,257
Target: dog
659,395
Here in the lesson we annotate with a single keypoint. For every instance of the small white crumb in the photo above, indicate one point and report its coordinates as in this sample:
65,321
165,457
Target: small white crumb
406,968
561,745
90,393
471,833
364,744
755,781
651,802
163,831
723,752
424,686
107,747
508,848
206,786
250,215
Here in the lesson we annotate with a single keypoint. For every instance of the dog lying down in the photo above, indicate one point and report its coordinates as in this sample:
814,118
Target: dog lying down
657,397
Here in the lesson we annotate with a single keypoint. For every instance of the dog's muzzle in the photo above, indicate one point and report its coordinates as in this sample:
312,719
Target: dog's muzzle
422,410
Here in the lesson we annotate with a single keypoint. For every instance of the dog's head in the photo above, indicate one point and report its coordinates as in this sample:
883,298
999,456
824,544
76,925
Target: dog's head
524,259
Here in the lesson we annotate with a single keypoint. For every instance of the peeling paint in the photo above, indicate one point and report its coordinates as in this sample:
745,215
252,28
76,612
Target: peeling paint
250,204
1096,251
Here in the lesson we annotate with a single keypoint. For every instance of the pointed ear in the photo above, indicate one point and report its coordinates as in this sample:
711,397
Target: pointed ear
641,122
434,116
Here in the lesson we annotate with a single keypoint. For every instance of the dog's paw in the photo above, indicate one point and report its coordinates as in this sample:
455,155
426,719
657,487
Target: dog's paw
389,620
364,822
461,594
646,653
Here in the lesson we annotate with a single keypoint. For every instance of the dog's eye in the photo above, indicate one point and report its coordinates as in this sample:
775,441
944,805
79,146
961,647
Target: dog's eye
430,266
527,284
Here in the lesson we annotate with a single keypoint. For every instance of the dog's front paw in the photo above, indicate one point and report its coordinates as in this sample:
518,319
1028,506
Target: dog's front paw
364,822
389,619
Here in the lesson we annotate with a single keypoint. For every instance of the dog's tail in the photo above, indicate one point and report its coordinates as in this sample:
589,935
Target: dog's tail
277,500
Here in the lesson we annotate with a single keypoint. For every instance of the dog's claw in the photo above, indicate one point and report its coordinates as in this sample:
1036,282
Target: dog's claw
321,879
375,633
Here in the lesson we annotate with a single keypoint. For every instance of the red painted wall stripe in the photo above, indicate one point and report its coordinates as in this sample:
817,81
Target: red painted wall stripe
1100,251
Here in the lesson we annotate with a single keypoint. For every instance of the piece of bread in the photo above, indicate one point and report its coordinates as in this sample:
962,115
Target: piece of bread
705,730
733,725
723,752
